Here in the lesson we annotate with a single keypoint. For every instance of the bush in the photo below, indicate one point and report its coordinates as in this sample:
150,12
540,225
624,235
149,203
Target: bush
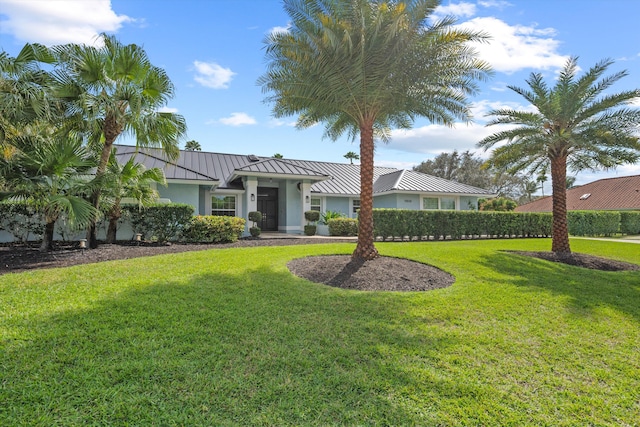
255,217
343,227
21,220
161,222
593,223
630,222
312,216
213,229
326,216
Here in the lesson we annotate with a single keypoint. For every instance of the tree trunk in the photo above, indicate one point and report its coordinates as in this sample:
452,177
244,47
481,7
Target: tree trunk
365,249
111,132
560,233
111,231
47,237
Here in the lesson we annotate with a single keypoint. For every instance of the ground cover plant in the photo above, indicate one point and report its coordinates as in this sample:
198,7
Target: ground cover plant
231,337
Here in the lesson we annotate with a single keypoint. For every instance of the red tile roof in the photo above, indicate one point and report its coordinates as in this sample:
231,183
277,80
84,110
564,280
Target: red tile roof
621,193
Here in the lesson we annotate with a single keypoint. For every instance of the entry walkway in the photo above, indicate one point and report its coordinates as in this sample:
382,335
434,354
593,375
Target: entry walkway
624,239
277,235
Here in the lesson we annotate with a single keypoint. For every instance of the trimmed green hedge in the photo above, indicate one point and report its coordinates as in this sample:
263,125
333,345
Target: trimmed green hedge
343,227
630,222
413,224
162,222
593,223
213,229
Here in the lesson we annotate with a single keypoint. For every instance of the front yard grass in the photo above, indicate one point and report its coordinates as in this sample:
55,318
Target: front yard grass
230,337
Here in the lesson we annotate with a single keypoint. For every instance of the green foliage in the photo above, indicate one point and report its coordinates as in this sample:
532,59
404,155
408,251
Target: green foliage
255,231
213,229
343,227
500,204
413,224
255,217
326,216
161,222
21,220
312,216
310,230
593,223
630,222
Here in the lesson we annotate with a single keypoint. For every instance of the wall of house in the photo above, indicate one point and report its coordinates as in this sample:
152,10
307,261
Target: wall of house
291,218
338,204
408,201
181,193
387,201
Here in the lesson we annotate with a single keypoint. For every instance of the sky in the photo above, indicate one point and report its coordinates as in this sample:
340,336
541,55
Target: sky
213,52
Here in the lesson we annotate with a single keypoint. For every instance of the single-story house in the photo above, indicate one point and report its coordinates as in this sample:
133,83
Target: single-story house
283,189
619,194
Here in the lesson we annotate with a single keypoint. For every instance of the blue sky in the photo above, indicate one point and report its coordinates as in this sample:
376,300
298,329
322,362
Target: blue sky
213,51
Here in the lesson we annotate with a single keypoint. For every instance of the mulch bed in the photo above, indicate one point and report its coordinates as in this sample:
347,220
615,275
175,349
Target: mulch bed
582,260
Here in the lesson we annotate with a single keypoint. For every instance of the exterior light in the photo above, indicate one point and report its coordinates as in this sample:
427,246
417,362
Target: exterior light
253,197
306,198
138,237
83,244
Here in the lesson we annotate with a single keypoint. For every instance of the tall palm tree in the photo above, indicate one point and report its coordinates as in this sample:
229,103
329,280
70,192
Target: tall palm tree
351,156
192,145
115,90
50,171
577,124
128,180
365,66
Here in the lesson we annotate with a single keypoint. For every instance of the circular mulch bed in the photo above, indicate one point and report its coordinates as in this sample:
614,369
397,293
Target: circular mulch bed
582,260
380,274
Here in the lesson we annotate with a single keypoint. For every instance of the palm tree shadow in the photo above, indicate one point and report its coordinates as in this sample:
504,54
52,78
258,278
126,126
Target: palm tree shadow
344,275
586,288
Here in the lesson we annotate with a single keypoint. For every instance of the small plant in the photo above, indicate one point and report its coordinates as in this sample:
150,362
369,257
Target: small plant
255,217
312,218
325,217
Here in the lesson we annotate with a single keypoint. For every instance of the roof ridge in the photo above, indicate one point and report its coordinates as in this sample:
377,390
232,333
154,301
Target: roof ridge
169,162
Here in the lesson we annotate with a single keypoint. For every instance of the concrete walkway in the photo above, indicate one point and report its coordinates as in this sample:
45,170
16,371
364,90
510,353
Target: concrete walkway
623,239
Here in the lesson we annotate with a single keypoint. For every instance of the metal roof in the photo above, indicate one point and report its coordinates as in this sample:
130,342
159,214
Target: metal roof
333,178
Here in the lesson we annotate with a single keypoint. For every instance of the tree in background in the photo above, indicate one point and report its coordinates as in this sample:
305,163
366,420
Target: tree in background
351,156
500,204
192,145
365,66
577,124
114,90
278,156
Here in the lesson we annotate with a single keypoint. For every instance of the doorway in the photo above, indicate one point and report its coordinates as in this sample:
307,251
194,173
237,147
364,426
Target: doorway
268,205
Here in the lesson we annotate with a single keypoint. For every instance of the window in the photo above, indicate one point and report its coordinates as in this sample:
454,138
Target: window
315,204
435,203
430,203
356,207
223,205
448,203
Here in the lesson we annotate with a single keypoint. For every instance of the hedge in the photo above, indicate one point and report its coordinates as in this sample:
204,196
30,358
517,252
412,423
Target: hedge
343,227
413,224
630,222
162,221
213,229
593,223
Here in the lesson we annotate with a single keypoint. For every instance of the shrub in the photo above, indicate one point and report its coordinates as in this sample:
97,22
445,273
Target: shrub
255,217
326,216
21,220
312,216
163,222
343,227
213,229
630,222
593,223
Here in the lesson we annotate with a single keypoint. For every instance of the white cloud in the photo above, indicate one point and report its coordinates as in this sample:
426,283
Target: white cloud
278,123
500,4
513,48
166,109
238,119
212,75
457,9
280,29
58,22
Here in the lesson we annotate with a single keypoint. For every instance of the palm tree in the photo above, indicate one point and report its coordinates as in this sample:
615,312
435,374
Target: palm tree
351,156
51,172
115,90
128,180
192,145
575,125
365,66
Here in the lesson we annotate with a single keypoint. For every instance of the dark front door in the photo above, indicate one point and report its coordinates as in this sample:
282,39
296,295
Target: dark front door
268,205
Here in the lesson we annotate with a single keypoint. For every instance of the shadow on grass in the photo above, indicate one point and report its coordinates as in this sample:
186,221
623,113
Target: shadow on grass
256,348
587,288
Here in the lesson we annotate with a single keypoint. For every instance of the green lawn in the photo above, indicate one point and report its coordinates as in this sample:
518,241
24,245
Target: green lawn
230,337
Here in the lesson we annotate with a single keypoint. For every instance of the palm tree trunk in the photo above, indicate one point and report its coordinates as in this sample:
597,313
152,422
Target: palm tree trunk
47,237
111,231
365,249
560,233
111,132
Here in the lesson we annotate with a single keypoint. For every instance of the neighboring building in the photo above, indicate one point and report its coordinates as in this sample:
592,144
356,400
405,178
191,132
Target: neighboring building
607,194
283,189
